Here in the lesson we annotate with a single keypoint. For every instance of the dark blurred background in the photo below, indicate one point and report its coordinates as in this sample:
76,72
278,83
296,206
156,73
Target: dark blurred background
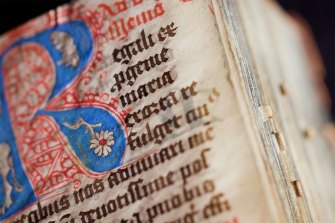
319,14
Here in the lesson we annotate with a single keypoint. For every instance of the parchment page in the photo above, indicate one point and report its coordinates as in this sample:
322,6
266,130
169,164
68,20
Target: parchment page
123,111
285,75
308,114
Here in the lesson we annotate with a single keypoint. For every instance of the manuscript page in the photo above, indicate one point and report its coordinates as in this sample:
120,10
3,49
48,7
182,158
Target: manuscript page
128,111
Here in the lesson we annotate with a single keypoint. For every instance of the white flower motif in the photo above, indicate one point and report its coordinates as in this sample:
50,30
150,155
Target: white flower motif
102,143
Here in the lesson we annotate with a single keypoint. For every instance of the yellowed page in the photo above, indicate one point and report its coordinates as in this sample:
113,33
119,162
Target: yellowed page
159,69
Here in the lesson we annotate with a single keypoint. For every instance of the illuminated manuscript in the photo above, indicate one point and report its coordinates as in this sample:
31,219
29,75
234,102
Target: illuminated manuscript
155,111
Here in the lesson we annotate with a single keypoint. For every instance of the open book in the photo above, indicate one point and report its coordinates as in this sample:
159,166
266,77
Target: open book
175,111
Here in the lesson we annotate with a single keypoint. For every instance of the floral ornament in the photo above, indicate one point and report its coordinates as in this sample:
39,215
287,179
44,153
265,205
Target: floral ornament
102,143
